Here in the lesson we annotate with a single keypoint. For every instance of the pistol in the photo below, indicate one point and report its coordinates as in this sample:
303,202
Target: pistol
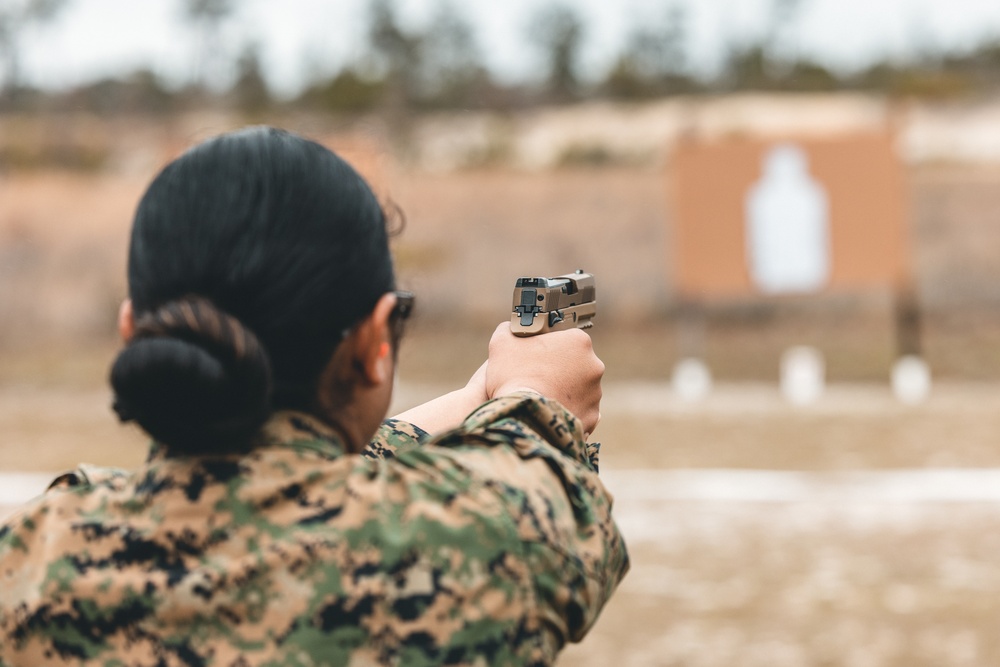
553,304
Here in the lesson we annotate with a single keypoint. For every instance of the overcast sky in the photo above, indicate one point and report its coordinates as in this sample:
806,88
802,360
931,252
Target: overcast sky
299,38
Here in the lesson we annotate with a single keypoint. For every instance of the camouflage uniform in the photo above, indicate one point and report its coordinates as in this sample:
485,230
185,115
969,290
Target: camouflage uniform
492,544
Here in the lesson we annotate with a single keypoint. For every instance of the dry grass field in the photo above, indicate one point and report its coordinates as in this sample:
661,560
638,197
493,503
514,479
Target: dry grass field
824,578
469,234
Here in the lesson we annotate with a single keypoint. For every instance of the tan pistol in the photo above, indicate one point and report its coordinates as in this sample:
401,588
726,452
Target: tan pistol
553,304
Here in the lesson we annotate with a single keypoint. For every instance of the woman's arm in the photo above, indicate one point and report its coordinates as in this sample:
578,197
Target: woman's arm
530,452
446,412
559,365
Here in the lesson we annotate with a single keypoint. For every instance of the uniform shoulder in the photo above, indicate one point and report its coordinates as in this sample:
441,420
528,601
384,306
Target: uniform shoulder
392,437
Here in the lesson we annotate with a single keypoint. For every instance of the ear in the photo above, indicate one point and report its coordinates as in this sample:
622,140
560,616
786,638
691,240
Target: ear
126,320
372,343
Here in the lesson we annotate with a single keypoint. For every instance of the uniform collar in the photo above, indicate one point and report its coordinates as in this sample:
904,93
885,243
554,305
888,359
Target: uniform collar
285,428
300,430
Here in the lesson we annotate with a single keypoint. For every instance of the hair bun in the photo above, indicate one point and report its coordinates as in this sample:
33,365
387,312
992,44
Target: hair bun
194,377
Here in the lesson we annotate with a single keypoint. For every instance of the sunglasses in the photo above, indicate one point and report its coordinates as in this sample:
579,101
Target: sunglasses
397,318
400,314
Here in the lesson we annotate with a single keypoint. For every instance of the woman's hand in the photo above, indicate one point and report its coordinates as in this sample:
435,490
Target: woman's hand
560,365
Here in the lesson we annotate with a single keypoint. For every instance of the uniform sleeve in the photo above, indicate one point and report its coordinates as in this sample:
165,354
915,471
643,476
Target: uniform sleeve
531,452
392,436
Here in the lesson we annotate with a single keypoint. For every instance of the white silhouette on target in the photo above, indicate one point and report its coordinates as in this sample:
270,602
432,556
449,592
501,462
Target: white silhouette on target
787,225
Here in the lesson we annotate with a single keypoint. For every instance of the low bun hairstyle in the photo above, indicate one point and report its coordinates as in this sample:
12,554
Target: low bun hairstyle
250,257
211,368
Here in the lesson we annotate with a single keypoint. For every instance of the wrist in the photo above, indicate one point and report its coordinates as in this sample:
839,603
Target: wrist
507,389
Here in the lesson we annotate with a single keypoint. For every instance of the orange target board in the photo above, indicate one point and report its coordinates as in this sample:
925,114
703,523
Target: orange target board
786,216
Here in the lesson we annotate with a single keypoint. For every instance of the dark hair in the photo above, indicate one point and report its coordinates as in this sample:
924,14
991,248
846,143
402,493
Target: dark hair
251,255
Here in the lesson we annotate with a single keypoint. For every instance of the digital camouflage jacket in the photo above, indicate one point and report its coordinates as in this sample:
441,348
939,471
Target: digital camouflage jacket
492,544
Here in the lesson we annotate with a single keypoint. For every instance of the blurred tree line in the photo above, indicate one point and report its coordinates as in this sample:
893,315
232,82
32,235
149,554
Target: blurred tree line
441,66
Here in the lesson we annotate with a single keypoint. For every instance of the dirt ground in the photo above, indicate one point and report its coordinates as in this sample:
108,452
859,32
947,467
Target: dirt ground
805,585
825,578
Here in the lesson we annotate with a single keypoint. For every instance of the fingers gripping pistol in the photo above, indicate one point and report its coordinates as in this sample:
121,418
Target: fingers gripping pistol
552,304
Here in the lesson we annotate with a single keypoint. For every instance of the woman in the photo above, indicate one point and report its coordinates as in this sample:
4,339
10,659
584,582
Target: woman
278,520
